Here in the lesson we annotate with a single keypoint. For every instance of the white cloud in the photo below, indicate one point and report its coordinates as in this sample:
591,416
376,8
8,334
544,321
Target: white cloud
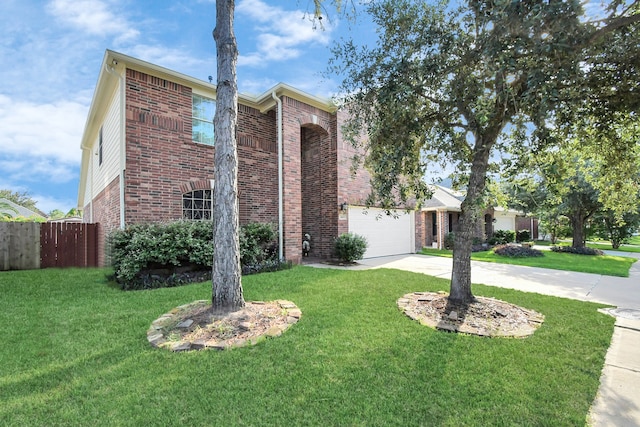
93,17
50,131
173,58
47,203
282,35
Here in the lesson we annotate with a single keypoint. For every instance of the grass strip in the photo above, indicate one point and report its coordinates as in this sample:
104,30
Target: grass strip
608,265
75,353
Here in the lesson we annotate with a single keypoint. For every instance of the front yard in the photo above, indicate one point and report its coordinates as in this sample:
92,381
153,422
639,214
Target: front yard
608,265
75,353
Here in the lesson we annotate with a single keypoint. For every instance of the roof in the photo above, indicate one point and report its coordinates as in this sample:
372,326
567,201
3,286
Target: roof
21,210
451,200
444,199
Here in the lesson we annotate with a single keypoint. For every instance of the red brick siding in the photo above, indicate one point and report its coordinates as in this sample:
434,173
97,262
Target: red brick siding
319,129
318,189
162,158
106,212
258,166
420,231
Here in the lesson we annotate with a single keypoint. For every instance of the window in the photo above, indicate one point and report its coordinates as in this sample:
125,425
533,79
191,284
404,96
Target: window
202,112
198,205
434,224
100,147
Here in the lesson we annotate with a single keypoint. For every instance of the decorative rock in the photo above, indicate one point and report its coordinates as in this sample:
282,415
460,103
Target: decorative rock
185,324
274,331
295,312
181,346
453,315
245,325
156,339
286,304
447,327
198,344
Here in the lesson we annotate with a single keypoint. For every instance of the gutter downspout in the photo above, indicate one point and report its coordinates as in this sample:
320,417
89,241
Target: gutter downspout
280,185
120,78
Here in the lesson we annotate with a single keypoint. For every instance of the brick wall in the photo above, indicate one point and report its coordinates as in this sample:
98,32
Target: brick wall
163,161
106,212
310,134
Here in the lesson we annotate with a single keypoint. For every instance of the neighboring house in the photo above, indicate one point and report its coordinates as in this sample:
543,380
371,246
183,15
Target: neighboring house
17,210
147,155
439,217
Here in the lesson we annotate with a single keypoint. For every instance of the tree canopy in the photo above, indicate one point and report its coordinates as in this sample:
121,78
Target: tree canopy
457,83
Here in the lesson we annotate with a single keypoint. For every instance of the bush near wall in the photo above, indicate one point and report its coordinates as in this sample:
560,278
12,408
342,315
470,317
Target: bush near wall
502,237
147,256
349,247
523,236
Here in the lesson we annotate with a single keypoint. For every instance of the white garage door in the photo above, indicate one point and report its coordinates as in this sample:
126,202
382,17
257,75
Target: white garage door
504,222
385,234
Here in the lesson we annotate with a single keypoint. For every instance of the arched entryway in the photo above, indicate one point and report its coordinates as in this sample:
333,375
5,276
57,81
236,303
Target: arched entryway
318,189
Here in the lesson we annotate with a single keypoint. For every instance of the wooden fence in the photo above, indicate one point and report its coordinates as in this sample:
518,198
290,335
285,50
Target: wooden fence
31,245
19,245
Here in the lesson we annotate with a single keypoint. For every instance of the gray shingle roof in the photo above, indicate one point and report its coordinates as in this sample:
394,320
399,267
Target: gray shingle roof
22,211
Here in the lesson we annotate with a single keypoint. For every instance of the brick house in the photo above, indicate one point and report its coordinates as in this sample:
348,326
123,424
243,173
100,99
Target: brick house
439,216
147,156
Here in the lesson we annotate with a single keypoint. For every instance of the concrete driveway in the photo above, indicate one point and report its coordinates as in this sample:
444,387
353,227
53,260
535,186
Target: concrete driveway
622,292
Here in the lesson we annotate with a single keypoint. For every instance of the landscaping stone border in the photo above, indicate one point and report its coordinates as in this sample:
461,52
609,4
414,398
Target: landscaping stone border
159,334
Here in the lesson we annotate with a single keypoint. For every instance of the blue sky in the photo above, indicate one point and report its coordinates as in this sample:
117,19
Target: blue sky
52,52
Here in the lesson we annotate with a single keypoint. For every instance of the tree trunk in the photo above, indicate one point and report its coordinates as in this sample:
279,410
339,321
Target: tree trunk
227,273
577,225
471,210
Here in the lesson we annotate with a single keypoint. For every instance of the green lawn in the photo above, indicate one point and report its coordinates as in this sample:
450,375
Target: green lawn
633,246
601,264
75,353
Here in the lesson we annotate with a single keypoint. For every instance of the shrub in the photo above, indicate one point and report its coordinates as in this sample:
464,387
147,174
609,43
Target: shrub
523,236
162,247
148,256
502,237
449,239
257,243
578,251
514,251
349,247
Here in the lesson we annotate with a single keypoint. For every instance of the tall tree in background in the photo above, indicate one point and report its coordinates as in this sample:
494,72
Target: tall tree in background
457,82
227,274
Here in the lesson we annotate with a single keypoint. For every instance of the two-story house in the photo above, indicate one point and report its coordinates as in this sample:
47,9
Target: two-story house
147,156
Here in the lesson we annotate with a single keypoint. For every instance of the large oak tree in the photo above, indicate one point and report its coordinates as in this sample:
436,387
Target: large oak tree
458,83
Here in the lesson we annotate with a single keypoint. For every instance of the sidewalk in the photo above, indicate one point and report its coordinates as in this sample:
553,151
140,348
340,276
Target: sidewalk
618,400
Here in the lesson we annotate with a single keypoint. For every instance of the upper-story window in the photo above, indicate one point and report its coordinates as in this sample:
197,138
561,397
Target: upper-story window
100,143
203,110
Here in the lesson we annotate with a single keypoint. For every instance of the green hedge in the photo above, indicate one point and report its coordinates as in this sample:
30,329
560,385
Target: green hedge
502,237
156,255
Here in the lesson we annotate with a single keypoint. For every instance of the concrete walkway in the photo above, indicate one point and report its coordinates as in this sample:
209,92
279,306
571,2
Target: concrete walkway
618,400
